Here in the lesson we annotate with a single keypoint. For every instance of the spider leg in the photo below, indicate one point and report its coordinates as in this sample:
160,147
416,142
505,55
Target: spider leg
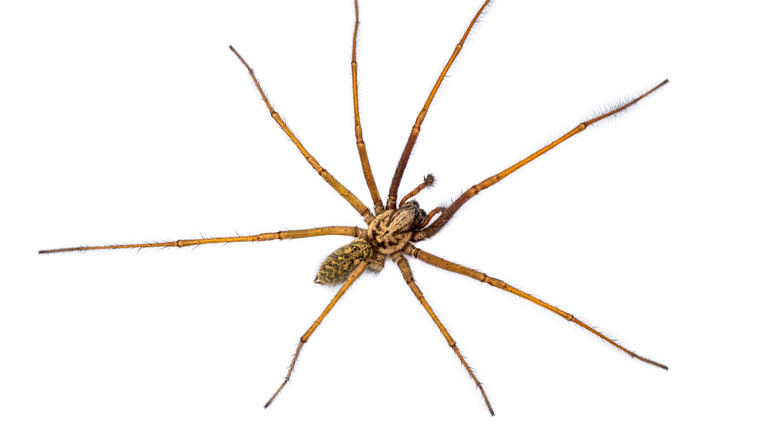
343,191
279,235
407,273
351,279
474,190
468,272
399,170
361,145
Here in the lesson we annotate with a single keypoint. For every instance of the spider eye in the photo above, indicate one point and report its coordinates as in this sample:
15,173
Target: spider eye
419,213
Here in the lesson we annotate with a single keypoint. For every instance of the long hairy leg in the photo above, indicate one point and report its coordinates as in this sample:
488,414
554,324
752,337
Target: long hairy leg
351,279
361,145
468,272
343,191
392,197
279,235
409,278
442,220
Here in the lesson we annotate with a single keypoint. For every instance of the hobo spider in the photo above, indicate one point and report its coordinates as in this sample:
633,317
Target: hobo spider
393,228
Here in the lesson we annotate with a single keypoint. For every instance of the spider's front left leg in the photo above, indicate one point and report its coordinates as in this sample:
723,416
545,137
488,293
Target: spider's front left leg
399,259
392,197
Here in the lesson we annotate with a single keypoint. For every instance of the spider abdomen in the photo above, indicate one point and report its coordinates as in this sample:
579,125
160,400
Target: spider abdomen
340,263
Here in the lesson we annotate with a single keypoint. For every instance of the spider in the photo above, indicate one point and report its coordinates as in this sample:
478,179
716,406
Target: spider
393,228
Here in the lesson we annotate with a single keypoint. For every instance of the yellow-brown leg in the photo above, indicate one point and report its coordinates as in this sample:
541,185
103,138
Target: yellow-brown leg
361,145
407,273
279,235
471,192
392,197
343,191
468,272
351,279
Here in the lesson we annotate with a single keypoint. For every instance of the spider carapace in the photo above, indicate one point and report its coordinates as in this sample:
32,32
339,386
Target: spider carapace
393,228
387,234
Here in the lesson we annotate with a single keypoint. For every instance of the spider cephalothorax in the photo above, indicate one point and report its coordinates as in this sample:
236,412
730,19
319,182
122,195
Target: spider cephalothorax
392,231
387,233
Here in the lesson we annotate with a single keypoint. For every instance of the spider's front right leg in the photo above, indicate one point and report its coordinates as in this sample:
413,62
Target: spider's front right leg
448,212
279,235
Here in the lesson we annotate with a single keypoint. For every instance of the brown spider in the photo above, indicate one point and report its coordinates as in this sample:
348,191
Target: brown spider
392,226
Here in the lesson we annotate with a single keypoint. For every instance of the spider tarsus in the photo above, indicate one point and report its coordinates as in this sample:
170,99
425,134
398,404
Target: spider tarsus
622,106
652,362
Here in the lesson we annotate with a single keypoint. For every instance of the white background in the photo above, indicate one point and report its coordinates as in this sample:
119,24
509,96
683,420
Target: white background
134,122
